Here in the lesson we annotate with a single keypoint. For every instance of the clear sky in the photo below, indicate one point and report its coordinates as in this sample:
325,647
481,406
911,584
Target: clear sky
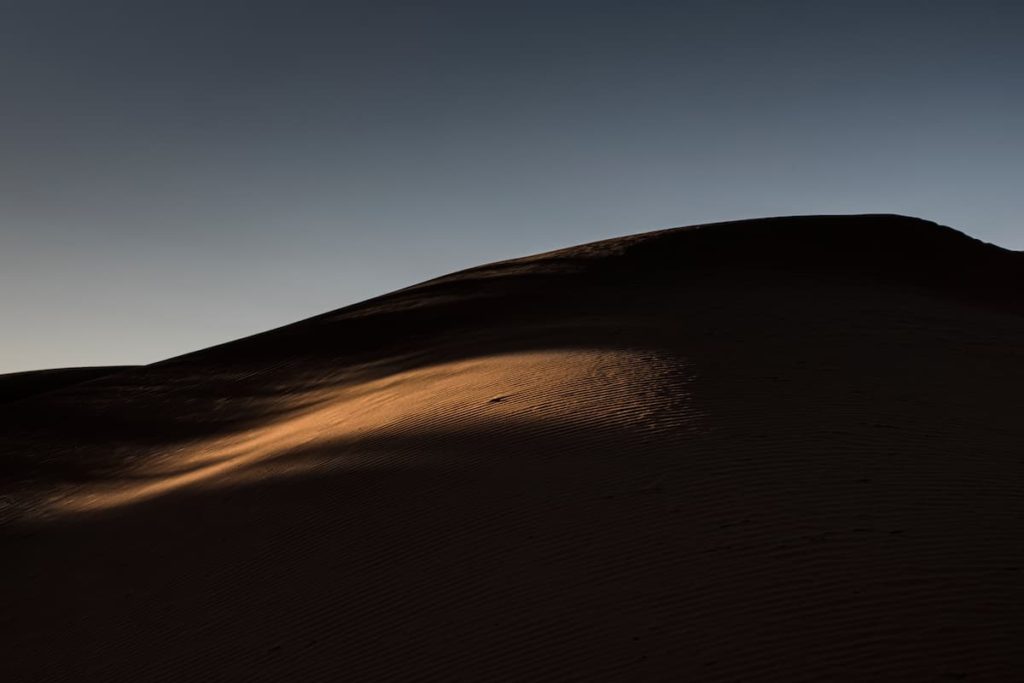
179,173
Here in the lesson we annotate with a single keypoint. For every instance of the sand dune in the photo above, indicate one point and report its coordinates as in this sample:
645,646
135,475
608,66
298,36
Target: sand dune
19,385
783,449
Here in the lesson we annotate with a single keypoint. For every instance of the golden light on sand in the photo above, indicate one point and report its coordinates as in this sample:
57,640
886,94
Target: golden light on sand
518,393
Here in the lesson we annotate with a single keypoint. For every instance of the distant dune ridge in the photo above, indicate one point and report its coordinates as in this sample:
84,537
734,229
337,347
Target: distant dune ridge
19,385
783,449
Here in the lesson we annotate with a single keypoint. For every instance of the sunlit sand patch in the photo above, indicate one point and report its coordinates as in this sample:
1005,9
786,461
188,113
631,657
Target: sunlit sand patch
519,389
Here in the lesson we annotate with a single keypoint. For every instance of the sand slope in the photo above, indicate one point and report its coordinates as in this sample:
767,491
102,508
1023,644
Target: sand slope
784,449
15,386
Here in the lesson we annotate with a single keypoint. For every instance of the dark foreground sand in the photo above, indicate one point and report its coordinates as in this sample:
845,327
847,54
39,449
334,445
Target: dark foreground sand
775,450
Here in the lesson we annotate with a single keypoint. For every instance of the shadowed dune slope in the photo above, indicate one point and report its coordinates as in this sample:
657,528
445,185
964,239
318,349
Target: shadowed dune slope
18,385
781,449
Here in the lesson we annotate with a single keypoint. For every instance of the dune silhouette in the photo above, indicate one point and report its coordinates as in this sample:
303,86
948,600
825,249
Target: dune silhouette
779,449
19,385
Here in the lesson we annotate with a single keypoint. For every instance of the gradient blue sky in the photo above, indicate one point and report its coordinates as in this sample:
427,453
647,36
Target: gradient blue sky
176,174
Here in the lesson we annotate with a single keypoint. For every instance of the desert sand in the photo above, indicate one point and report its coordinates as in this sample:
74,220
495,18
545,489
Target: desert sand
771,450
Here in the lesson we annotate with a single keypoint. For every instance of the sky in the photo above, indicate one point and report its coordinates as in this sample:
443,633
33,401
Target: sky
176,173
